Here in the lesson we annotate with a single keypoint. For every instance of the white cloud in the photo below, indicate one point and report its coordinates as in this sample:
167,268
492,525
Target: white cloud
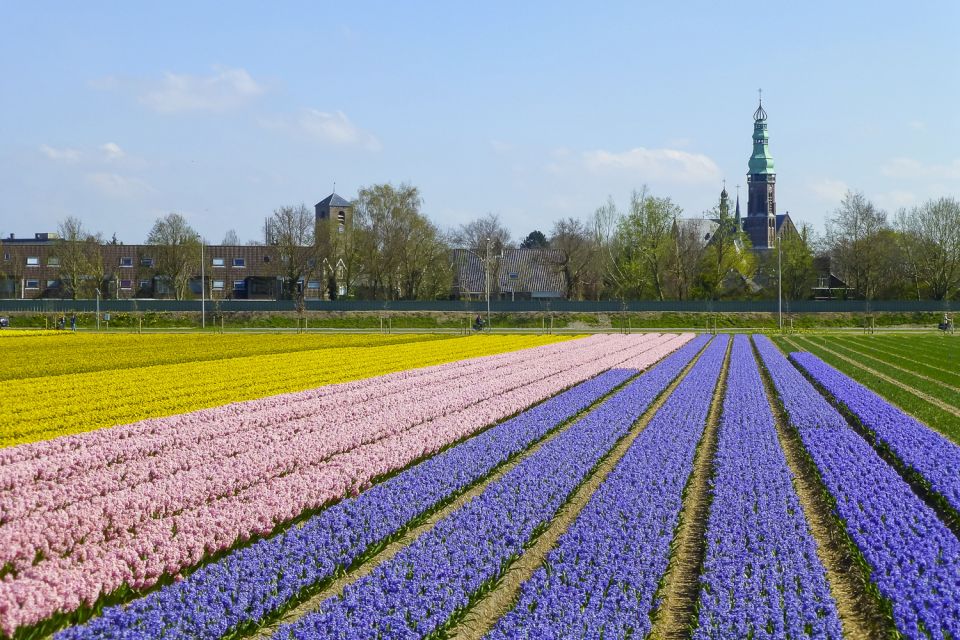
114,185
225,89
911,169
500,146
60,155
336,128
112,151
917,125
830,190
332,128
668,165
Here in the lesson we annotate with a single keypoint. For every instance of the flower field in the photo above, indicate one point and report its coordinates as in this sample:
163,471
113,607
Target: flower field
611,486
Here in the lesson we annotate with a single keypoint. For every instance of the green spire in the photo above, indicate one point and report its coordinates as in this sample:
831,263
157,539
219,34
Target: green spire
761,162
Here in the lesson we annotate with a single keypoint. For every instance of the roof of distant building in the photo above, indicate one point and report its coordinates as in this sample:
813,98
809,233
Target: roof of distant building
333,200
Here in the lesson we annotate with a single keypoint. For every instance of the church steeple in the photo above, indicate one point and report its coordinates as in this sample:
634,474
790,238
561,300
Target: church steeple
761,185
737,214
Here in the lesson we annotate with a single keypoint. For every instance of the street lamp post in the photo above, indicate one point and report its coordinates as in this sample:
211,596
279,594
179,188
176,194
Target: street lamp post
98,308
779,282
486,268
203,288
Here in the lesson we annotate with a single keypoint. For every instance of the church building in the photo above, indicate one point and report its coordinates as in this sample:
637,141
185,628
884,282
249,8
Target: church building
762,223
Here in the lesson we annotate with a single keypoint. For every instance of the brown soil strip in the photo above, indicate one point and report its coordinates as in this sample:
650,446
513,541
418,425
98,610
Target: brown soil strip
862,613
483,615
336,587
923,396
677,614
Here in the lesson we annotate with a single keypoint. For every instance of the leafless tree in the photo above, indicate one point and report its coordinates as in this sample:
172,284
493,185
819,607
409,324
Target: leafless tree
230,238
856,236
930,238
177,252
77,250
574,248
291,230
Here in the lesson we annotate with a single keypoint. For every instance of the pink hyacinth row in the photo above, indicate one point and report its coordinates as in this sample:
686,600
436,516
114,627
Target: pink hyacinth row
164,495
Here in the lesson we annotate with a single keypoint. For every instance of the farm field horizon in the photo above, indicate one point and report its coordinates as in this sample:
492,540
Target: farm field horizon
656,484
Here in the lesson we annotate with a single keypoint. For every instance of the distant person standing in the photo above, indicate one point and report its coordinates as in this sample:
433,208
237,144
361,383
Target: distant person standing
73,322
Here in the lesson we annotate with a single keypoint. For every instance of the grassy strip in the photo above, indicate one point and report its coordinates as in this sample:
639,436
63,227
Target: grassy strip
483,614
940,390
864,612
679,590
914,354
932,415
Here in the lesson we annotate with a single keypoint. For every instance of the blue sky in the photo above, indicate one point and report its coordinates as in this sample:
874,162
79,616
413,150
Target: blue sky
119,113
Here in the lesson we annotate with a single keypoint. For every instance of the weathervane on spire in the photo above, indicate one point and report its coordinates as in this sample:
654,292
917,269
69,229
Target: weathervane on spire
760,115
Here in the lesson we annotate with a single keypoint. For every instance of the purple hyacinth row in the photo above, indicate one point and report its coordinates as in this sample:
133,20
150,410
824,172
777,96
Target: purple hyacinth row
253,582
417,591
601,578
914,557
916,445
761,574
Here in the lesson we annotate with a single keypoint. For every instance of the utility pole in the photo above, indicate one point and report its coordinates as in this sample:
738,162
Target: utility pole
780,282
203,288
486,265
98,308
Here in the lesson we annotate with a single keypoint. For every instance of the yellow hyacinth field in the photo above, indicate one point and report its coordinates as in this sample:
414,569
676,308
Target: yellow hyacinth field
39,407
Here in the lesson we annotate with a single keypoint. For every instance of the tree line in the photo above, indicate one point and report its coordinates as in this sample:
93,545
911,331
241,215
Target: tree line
649,250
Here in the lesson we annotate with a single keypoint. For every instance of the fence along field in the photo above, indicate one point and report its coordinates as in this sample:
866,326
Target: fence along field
400,505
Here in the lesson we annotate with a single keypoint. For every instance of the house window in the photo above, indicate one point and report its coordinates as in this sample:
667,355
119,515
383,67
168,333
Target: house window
218,262
239,285
340,228
126,262
144,284
32,284
341,217
53,261
33,261
218,285
239,262
126,284
313,284
266,259
6,257
51,284
146,262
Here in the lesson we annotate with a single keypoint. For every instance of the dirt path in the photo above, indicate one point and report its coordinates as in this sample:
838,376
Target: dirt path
676,614
476,622
861,612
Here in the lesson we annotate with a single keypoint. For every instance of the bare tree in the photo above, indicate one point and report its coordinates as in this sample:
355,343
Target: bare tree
177,252
77,250
575,253
855,235
475,236
930,238
230,238
292,230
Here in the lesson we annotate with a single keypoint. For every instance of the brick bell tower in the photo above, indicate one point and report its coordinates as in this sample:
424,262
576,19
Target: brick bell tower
761,223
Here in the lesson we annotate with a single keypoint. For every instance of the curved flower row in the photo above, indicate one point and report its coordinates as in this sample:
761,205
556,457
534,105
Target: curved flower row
101,556
417,591
761,573
924,450
914,557
179,461
600,579
272,572
63,405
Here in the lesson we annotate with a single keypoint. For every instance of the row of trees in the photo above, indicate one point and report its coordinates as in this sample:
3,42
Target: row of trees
391,250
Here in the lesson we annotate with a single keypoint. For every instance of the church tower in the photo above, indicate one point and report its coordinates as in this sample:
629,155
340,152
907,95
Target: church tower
761,223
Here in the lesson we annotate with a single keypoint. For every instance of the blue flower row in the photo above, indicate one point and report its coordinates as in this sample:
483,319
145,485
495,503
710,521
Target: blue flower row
924,450
417,591
254,582
915,559
601,579
761,575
